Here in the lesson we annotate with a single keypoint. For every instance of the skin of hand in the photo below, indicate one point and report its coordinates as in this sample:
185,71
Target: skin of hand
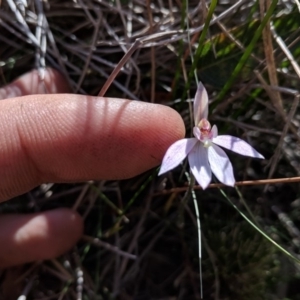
48,135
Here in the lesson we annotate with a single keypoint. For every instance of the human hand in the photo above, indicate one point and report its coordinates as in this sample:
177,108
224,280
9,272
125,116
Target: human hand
69,138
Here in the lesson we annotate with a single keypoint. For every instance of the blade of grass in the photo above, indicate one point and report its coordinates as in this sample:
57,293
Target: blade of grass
247,52
284,251
138,192
107,201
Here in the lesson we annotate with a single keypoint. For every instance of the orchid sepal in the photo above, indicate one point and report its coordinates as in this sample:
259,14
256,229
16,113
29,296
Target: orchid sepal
176,153
200,104
236,145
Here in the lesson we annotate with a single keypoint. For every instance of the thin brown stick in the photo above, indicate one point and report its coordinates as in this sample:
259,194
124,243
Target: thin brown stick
239,183
270,59
97,242
117,69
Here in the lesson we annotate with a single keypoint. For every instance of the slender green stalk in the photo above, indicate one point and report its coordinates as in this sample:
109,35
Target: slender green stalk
192,178
178,73
199,240
246,205
200,46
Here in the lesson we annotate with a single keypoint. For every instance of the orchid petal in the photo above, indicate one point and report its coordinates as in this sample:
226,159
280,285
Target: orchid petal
176,153
199,165
236,145
214,131
200,104
221,165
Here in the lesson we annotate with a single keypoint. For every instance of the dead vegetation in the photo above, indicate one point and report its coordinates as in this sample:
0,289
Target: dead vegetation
133,247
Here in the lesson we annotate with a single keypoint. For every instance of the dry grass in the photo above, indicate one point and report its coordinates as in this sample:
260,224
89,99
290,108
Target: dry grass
133,247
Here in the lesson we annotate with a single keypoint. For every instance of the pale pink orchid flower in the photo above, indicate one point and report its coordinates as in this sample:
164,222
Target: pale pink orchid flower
203,151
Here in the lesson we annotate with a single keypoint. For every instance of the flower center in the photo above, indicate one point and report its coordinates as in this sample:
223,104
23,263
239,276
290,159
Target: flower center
205,132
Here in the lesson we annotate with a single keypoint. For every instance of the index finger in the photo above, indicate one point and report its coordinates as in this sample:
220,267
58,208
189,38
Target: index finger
68,138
